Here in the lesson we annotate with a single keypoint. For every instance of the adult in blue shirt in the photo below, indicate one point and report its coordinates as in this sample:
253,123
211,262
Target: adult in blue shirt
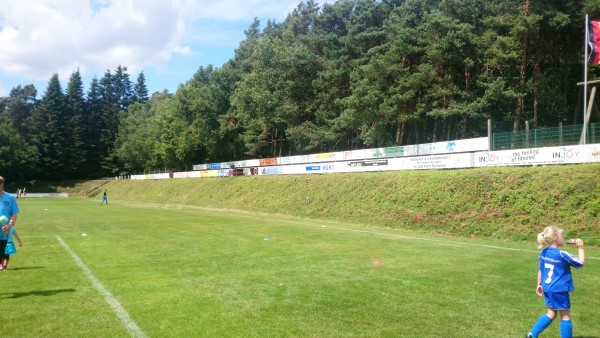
10,209
554,281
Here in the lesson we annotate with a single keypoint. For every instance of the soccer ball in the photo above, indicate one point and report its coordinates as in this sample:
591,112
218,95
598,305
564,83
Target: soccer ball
3,220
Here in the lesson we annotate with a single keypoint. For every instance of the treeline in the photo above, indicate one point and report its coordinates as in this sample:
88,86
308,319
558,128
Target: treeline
347,75
66,134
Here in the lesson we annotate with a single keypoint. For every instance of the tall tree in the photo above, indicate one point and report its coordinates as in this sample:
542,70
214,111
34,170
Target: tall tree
50,137
19,106
75,152
140,90
19,157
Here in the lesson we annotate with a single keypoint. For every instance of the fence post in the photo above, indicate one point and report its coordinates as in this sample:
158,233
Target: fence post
490,142
527,134
560,133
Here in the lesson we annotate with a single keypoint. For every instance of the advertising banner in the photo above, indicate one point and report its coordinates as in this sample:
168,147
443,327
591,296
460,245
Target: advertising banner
539,156
446,161
209,173
246,163
457,146
293,159
270,171
354,154
326,157
386,152
267,161
193,174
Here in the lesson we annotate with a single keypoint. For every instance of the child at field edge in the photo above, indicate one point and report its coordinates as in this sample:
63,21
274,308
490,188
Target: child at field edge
104,198
555,281
10,247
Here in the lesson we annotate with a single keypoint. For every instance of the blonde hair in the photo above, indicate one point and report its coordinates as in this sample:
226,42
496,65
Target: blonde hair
548,236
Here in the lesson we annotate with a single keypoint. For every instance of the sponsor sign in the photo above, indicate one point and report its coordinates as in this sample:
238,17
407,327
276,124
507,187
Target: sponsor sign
293,159
367,163
267,161
271,171
448,161
387,152
321,168
539,156
356,154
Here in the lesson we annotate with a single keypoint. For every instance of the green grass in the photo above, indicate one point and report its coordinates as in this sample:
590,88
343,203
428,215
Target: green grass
184,271
511,203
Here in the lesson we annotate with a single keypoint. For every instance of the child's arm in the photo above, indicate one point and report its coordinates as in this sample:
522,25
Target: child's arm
580,253
538,289
16,235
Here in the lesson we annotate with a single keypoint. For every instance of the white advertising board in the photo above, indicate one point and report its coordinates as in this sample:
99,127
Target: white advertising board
326,157
539,156
457,146
293,159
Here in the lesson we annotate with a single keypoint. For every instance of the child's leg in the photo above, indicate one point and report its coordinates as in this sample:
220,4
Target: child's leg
542,323
566,326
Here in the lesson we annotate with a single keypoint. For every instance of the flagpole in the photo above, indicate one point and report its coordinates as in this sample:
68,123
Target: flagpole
585,72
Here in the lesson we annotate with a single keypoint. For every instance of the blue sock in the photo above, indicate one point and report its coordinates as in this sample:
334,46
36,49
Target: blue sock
542,323
566,329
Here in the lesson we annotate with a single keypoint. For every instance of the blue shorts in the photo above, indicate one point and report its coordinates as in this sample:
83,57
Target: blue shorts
557,300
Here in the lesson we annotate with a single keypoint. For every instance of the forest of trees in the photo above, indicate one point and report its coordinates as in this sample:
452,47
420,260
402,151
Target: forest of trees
347,75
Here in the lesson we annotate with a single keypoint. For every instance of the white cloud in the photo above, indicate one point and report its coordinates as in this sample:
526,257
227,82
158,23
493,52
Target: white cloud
42,37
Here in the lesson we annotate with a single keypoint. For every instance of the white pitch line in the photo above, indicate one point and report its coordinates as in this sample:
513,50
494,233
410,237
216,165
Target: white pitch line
439,240
130,325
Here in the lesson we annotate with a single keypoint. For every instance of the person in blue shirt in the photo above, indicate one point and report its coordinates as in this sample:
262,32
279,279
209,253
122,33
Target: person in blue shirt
9,209
104,198
554,281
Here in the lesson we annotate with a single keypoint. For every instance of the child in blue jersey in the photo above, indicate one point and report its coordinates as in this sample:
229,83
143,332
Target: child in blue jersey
10,247
8,209
554,280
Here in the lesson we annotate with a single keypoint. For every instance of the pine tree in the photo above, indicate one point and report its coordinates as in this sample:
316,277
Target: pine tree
140,91
75,152
50,128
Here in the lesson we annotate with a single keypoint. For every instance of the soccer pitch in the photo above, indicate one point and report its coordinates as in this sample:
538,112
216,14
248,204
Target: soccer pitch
175,271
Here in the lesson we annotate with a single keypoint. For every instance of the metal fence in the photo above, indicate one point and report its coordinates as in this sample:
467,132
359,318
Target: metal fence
545,137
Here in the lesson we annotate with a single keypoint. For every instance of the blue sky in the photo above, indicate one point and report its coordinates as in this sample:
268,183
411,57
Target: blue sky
166,39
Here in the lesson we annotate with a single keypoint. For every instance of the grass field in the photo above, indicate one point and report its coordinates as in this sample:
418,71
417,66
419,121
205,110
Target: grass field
180,271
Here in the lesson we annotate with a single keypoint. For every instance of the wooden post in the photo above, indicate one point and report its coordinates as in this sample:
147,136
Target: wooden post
586,118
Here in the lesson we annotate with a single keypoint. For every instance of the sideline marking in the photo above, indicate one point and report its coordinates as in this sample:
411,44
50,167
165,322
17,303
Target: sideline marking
440,240
293,220
130,325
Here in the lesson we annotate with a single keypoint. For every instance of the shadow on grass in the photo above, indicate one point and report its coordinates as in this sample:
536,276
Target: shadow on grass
34,293
26,268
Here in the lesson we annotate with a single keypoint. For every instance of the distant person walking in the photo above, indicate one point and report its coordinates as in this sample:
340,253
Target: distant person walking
10,247
554,280
8,209
104,198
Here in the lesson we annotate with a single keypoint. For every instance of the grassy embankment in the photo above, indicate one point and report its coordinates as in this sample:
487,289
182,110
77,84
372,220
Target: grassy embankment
502,203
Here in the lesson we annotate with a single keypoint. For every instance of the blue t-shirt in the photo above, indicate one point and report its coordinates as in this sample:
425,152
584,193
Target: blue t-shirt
555,266
9,207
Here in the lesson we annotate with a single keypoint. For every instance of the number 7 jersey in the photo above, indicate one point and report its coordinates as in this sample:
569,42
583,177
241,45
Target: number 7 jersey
555,266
